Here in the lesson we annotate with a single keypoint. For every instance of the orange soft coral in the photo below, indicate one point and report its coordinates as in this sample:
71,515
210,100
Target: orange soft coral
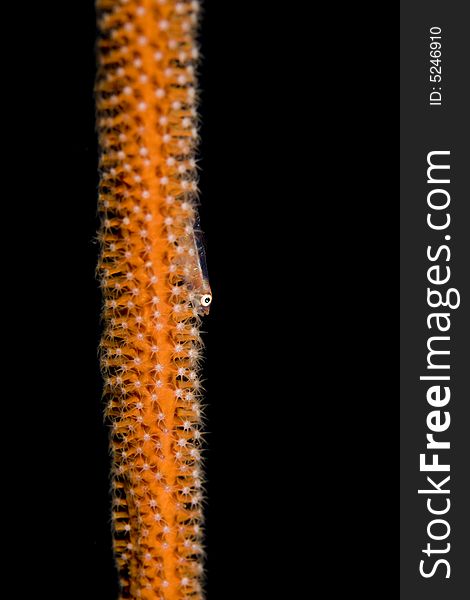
151,346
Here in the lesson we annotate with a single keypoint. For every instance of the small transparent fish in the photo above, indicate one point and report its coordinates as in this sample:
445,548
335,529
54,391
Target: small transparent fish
197,273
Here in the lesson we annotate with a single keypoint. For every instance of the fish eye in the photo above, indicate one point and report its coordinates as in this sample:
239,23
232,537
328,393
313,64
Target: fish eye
206,299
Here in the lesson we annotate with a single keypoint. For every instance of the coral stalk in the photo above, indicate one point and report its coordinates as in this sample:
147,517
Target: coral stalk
153,291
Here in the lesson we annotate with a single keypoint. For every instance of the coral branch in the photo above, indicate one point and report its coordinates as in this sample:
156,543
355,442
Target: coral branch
151,346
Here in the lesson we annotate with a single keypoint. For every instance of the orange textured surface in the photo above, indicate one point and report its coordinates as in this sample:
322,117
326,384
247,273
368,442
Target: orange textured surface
151,345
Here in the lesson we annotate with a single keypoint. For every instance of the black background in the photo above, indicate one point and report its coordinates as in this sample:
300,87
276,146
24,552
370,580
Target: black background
298,163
